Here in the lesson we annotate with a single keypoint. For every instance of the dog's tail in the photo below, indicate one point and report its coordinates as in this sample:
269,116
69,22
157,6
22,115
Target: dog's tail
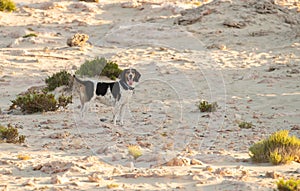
77,79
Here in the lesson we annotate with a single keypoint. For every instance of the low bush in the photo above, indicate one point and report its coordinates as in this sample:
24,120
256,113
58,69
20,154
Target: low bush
99,66
204,106
288,185
112,186
35,102
30,35
245,125
278,148
58,79
7,5
39,102
10,134
135,151
111,70
63,100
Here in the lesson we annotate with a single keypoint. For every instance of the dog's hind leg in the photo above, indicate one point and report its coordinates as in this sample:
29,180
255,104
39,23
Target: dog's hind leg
82,110
116,113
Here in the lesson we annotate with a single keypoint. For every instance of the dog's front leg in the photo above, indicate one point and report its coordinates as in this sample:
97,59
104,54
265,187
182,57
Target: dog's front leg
122,112
116,112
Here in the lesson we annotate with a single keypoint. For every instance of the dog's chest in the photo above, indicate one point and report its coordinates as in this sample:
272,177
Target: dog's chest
125,95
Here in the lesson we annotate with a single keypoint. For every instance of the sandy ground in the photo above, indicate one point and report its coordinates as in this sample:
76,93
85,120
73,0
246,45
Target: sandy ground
244,55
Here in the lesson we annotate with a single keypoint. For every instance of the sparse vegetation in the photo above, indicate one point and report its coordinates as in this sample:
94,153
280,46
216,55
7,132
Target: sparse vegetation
7,5
135,151
63,100
24,157
39,102
279,148
10,134
288,185
111,70
204,106
35,102
112,185
99,66
58,79
245,125
30,35
42,101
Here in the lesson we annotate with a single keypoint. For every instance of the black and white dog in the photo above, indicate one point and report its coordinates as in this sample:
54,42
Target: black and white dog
121,91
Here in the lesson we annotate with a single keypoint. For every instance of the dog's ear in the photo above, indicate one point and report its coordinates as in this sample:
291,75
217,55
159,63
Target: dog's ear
122,75
136,76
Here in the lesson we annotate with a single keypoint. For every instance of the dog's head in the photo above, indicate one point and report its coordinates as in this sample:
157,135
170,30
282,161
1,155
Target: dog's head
130,76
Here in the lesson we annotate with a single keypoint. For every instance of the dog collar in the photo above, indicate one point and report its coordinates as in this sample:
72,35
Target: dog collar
126,86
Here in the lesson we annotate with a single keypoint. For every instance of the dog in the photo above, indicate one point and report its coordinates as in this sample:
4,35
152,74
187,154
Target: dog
121,92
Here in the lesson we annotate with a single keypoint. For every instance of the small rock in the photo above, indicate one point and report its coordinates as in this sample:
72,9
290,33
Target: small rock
272,174
78,40
131,4
95,1
95,177
196,162
29,183
79,184
234,24
116,171
208,168
19,52
196,177
129,165
6,172
217,46
61,135
295,127
293,71
56,179
179,161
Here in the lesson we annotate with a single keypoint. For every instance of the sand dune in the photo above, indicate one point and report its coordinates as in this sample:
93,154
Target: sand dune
244,55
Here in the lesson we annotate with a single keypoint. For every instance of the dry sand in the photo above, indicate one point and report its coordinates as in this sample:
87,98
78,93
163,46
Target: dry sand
244,55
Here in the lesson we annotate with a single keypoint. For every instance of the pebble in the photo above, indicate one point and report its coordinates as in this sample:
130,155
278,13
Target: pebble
57,179
131,4
272,174
95,177
29,183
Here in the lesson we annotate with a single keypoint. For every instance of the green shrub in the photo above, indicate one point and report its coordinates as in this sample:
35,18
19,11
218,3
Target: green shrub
58,79
204,106
63,100
39,102
245,125
288,185
278,148
10,134
135,151
112,186
99,66
111,70
30,35
7,5
35,102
